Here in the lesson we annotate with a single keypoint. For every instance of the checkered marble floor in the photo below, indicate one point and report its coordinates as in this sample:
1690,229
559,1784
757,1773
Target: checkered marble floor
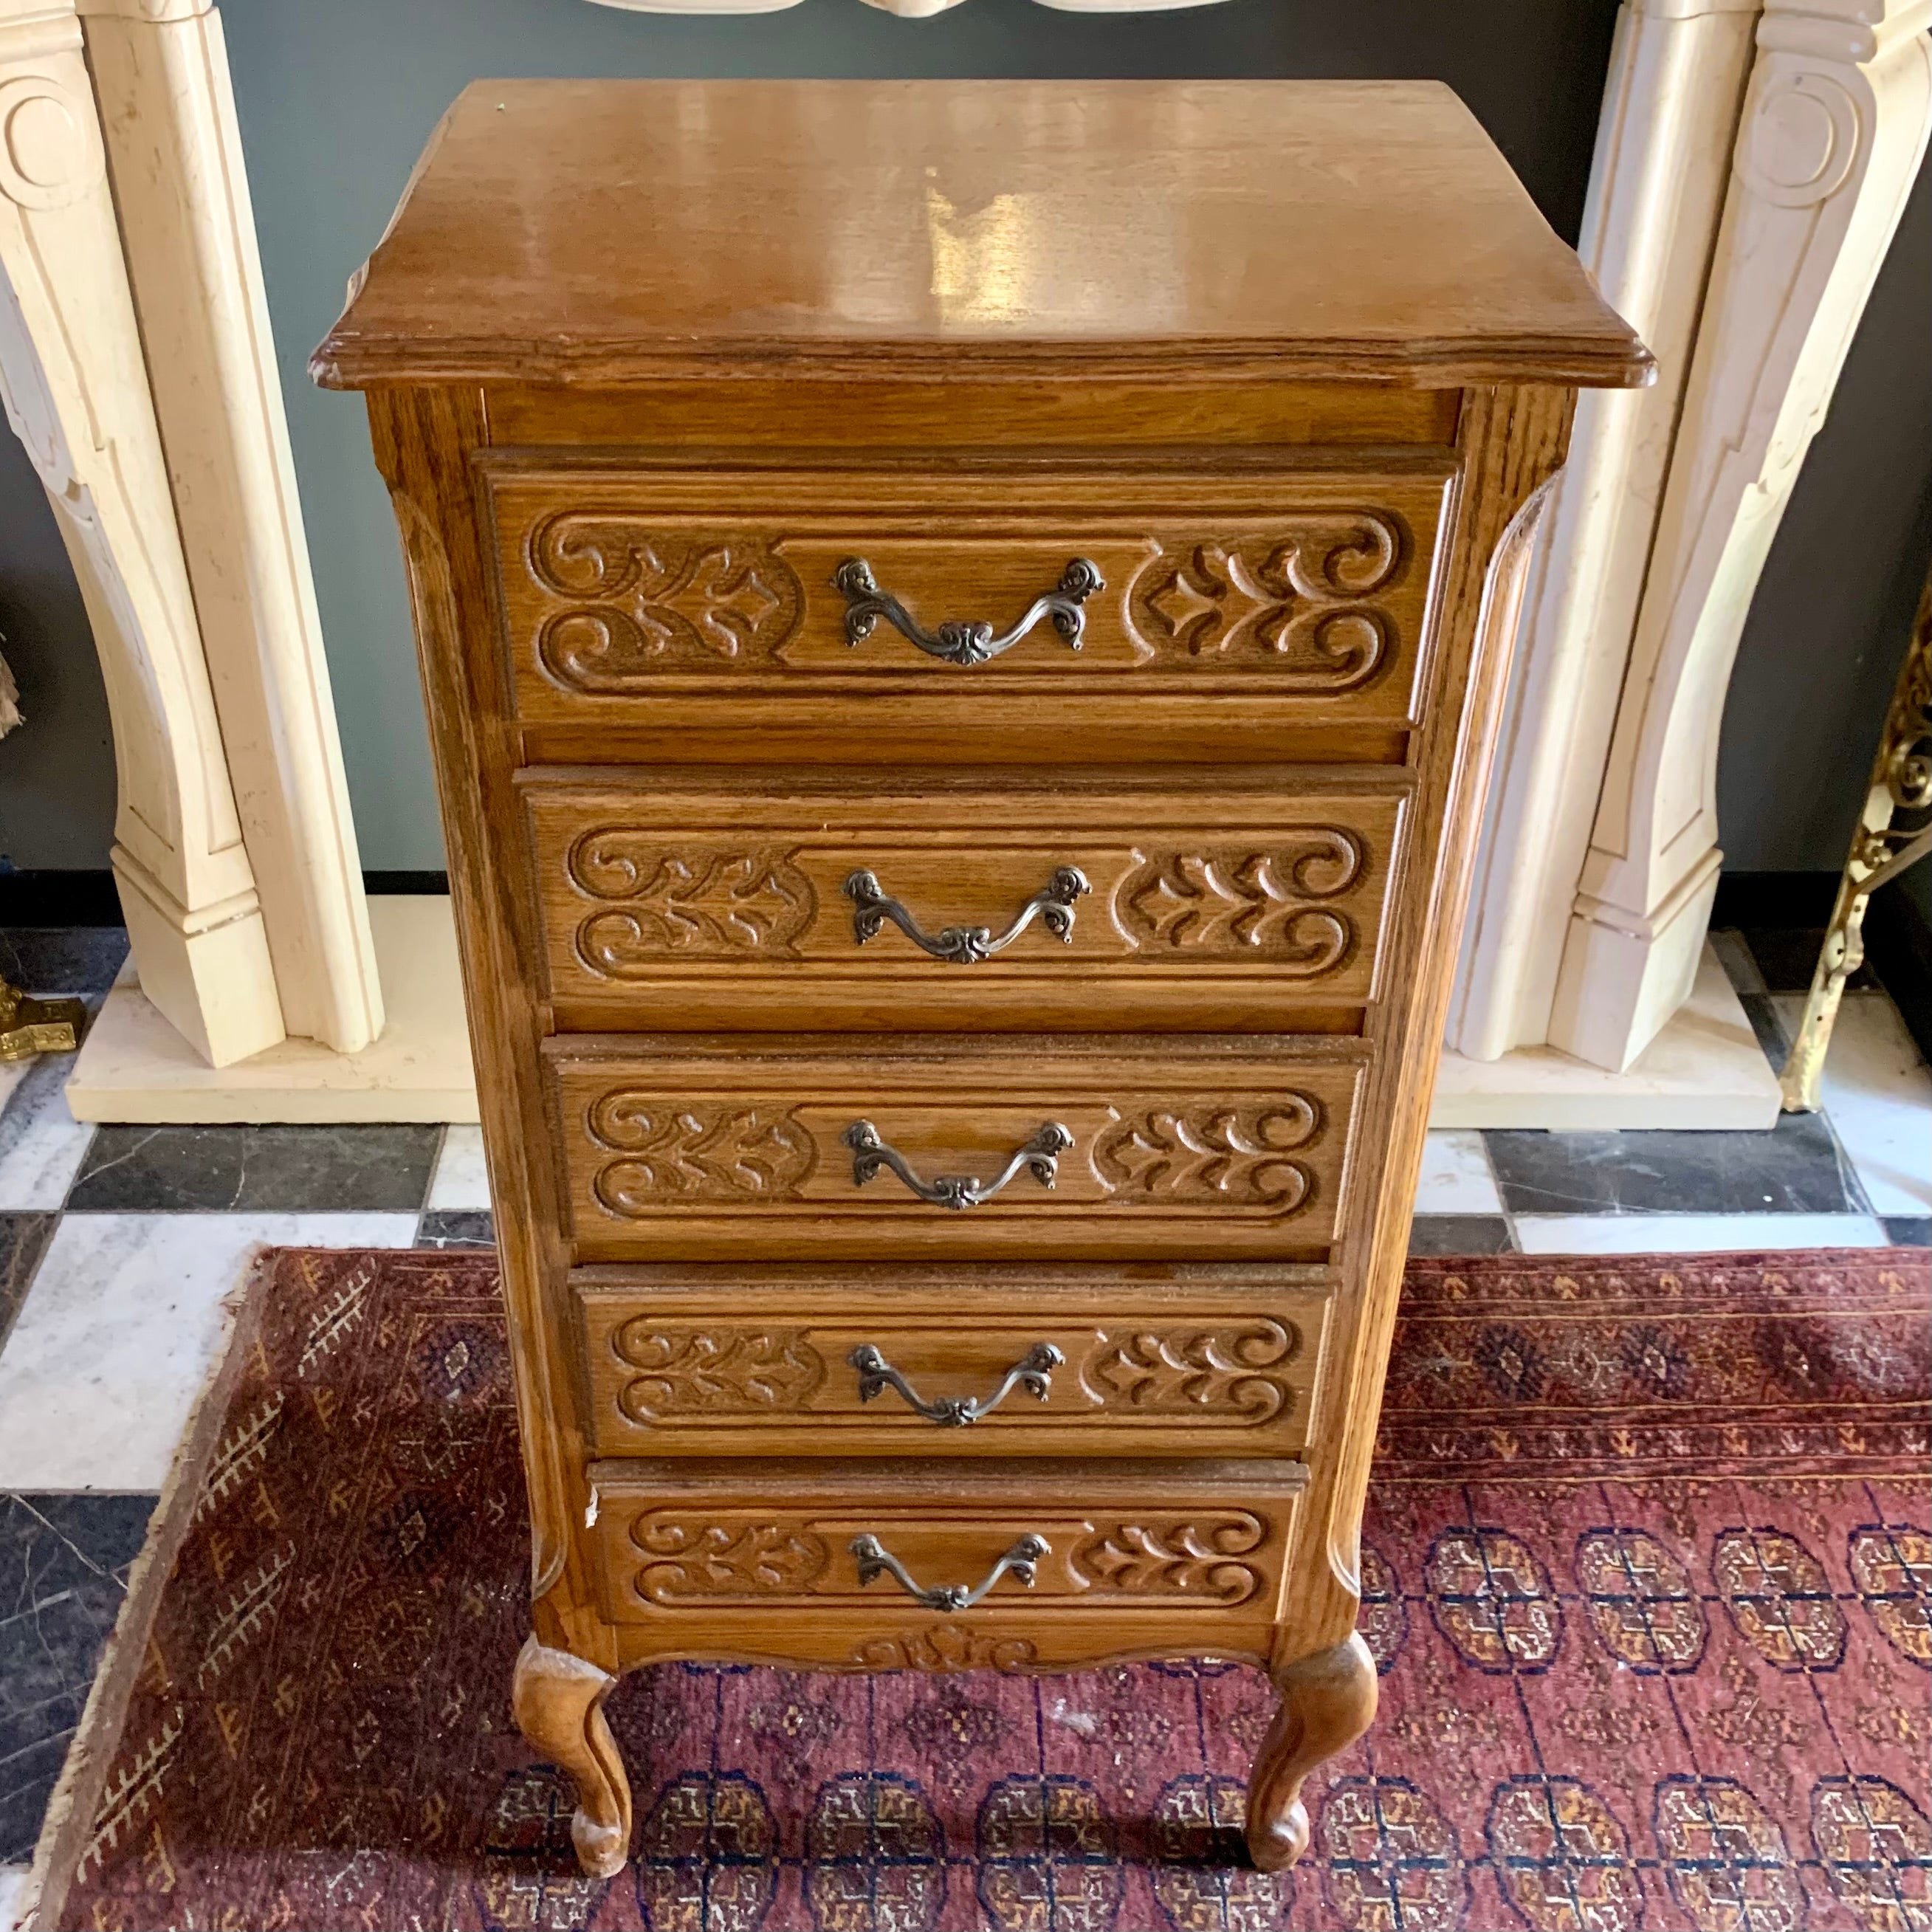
118,1245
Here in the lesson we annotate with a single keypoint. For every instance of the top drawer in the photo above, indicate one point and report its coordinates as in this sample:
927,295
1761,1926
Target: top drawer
1305,587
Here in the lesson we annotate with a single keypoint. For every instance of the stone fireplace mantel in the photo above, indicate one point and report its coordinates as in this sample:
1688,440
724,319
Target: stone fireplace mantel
1752,162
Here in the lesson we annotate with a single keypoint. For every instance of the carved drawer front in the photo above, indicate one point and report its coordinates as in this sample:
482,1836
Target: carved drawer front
1223,1362
1305,583
891,1564
903,1145
815,907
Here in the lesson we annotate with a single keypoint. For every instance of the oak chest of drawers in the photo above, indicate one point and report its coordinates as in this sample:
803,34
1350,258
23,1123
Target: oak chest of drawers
962,627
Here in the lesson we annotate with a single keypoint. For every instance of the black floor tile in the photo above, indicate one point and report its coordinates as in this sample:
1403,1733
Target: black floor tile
64,1562
1459,1235
265,1169
1768,1027
1794,1169
1909,1231
23,1240
455,1228
1735,955
1787,958
62,958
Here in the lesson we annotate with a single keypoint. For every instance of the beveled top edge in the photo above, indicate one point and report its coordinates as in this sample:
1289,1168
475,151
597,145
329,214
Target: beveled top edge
593,234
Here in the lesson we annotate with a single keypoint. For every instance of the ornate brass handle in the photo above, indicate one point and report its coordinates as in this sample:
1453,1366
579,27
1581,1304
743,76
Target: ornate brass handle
1034,1373
1040,1157
876,1560
964,640
966,945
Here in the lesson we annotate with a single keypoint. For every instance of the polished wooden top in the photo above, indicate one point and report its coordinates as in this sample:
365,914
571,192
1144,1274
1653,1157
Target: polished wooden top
613,231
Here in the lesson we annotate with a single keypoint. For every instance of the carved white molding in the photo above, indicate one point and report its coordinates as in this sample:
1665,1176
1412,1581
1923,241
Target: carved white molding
76,393
161,75
140,373
1670,114
1834,125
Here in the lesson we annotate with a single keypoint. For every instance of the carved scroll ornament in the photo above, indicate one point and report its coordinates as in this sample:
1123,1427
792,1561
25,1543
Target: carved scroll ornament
1229,902
676,1155
1299,606
1232,1156
642,604
693,1371
682,905
1194,1556
704,1561
1236,1371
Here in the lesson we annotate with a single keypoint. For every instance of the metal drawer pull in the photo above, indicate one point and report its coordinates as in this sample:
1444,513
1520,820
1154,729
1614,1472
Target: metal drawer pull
1040,1157
966,945
876,1560
963,641
1034,1373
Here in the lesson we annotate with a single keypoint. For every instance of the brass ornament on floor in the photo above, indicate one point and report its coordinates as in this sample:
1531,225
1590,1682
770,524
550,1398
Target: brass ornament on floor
1901,781
28,1026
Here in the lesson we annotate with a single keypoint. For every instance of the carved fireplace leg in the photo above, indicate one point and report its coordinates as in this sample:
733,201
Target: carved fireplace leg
557,1700
1327,1701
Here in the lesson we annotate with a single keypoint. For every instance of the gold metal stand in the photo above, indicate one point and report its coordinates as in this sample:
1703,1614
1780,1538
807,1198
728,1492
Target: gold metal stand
1901,781
28,1026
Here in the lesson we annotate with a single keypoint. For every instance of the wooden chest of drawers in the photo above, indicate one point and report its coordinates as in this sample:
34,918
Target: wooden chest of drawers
962,627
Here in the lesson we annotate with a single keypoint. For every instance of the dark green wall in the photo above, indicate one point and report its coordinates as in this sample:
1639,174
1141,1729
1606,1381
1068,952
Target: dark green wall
336,99
57,770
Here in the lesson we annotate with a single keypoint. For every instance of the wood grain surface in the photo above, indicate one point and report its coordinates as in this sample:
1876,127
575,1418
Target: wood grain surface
1142,1557
1290,367
601,231
1202,1361
718,900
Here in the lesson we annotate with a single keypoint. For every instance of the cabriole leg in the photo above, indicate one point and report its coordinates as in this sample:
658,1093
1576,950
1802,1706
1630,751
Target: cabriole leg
1327,1701
557,1700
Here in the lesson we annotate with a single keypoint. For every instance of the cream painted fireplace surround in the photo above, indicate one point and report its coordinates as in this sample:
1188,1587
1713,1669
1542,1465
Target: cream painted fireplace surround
1751,165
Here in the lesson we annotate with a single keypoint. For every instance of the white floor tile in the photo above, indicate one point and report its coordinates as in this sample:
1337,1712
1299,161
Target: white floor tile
462,1182
40,1142
1692,1233
119,1327
12,1895
1877,1094
1456,1176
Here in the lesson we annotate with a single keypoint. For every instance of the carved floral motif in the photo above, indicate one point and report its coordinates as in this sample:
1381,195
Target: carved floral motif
645,604
1229,902
1233,1156
1180,1556
1295,603
945,1646
695,904
1239,1370
685,1371
693,1154
702,1560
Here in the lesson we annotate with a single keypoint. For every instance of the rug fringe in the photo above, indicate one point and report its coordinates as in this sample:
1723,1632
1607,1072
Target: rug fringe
77,1795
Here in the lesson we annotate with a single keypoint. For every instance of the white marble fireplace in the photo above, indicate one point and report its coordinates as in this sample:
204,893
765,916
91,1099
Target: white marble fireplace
1752,162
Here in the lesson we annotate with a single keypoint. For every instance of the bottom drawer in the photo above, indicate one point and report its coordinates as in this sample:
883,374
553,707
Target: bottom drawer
899,1564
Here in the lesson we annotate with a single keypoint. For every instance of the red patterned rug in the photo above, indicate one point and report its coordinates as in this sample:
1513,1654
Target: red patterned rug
1650,1583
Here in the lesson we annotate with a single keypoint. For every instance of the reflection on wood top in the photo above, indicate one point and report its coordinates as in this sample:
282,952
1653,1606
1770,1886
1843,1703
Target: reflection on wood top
608,231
